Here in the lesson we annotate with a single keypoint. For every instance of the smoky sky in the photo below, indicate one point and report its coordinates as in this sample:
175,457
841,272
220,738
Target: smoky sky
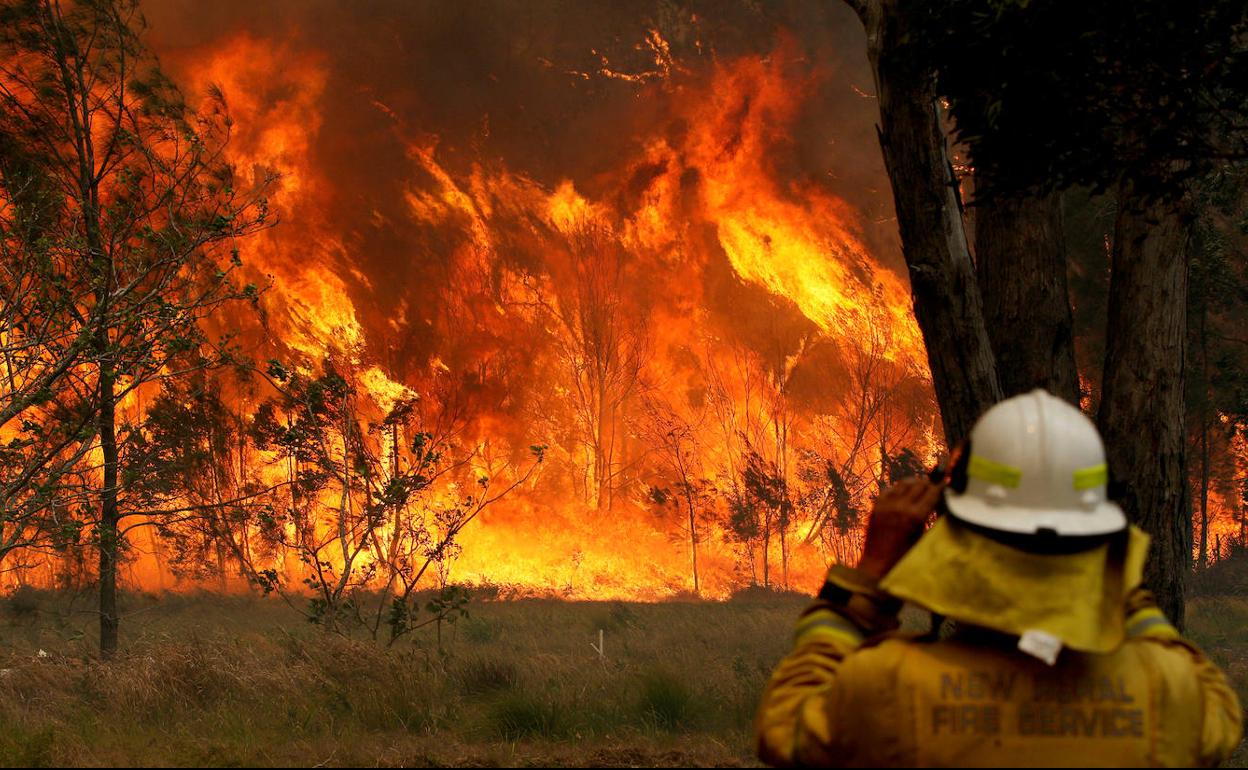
496,83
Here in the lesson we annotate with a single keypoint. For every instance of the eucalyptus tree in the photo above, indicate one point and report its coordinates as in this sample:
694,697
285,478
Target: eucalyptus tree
142,244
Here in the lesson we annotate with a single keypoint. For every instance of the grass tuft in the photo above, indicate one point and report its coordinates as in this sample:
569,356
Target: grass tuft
527,715
666,702
481,675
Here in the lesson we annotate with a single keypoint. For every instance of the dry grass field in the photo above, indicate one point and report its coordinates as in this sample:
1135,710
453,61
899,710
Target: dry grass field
237,680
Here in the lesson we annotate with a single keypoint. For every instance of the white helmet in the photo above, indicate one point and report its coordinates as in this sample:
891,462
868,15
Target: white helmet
1036,463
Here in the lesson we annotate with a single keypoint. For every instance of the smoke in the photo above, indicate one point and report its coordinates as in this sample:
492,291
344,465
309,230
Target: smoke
539,88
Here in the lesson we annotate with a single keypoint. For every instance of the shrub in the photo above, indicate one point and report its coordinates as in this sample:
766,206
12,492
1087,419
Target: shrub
478,676
22,748
762,594
1228,577
666,701
479,631
526,715
24,602
616,617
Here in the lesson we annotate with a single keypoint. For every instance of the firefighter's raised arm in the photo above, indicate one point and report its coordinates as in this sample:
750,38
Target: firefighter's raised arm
794,724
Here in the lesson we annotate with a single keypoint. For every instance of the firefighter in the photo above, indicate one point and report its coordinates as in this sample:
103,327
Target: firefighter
1057,657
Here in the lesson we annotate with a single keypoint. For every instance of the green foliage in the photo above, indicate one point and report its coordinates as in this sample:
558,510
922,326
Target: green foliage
763,505
766,484
115,273
268,580
744,524
450,603
22,747
325,611
479,631
394,535
845,514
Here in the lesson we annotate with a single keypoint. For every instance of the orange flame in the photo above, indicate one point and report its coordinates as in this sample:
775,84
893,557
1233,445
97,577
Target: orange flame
684,205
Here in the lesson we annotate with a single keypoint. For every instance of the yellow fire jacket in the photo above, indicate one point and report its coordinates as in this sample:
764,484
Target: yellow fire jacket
976,700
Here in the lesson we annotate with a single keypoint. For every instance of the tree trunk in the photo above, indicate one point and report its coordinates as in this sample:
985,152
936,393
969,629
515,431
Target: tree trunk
766,547
603,436
693,546
1204,493
780,430
1202,332
947,302
1142,402
1020,257
108,533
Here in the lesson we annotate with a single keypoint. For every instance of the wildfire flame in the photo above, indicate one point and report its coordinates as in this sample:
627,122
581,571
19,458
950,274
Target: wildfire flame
696,304
688,332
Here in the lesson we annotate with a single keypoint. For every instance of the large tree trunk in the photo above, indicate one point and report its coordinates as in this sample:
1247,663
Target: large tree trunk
1142,405
947,302
1020,257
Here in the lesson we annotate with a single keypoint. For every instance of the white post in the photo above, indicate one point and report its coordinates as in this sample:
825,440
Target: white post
599,648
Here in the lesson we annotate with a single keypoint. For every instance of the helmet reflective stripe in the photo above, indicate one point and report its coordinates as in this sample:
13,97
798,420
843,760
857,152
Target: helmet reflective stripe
1036,463
993,472
1095,476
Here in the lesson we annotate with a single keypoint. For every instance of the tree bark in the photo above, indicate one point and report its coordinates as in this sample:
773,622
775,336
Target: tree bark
1142,403
1204,431
1020,257
947,301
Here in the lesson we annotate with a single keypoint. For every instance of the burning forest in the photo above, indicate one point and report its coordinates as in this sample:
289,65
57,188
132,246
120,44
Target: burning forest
612,306
382,315
511,305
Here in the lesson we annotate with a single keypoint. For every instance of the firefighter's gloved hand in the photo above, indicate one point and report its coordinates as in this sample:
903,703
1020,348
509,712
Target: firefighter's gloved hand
897,522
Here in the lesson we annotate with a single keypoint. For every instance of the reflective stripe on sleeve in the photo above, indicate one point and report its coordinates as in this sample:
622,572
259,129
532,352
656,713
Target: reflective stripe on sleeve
1150,622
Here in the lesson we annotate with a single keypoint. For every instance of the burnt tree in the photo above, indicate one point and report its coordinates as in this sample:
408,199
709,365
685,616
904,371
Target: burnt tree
947,301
